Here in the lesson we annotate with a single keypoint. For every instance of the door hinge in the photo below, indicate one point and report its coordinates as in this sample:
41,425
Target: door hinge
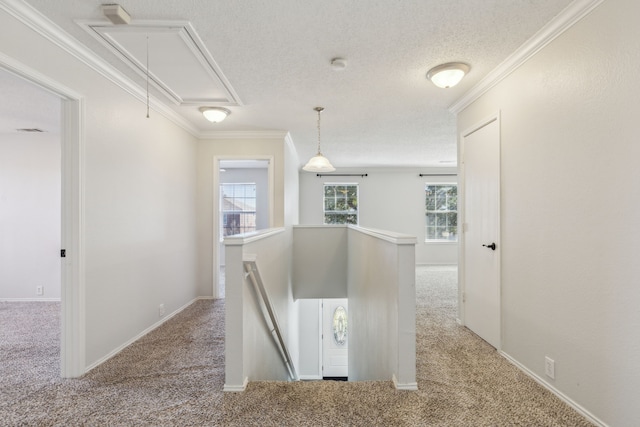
63,253
464,297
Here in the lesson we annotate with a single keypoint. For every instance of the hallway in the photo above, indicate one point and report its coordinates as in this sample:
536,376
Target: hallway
175,374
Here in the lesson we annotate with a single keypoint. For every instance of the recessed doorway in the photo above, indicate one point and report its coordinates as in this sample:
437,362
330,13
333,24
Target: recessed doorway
243,189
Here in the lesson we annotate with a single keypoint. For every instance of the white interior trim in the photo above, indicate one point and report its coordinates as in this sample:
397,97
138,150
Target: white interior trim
243,239
404,386
102,31
72,337
389,236
243,134
42,25
236,388
573,13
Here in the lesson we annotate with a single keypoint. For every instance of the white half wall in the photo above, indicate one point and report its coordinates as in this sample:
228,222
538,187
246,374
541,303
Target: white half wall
250,352
382,307
570,202
390,199
30,179
375,270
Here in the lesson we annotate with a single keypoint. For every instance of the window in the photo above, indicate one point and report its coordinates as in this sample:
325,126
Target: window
341,204
441,212
238,208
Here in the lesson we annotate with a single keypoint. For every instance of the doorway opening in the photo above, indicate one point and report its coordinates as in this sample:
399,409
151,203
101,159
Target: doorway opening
70,212
335,339
243,192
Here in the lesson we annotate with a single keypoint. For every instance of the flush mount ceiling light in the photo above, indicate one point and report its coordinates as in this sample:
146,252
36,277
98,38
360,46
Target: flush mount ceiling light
214,114
448,75
319,163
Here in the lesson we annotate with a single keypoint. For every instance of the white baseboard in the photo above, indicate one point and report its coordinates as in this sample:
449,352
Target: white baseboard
582,411
29,299
436,264
236,388
140,335
404,386
309,377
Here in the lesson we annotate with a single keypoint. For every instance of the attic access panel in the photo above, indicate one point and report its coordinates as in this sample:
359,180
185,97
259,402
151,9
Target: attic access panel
180,66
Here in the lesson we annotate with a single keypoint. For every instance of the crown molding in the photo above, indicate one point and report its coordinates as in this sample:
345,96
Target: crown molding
247,134
558,25
42,25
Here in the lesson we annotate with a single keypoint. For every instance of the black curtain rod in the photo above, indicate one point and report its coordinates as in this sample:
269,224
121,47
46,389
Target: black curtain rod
342,174
438,174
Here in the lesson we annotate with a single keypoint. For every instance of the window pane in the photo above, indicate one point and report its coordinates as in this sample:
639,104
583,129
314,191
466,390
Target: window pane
441,219
341,203
238,208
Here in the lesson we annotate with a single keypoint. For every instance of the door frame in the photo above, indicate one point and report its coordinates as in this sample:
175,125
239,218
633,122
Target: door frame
216,207
72,286
324,340
494,117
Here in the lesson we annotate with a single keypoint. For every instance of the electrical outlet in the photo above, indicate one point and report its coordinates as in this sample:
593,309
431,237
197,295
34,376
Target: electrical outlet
39,290
550,367
161,310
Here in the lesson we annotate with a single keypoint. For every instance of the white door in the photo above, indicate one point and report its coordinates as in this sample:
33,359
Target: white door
335,338
481,152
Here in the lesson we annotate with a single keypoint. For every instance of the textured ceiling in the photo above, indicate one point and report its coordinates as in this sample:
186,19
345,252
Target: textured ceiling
380,110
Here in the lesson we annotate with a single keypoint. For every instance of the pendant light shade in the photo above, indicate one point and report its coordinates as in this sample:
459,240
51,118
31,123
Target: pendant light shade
319,163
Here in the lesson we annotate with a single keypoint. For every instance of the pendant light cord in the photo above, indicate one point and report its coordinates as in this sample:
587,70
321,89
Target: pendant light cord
319,110
147,77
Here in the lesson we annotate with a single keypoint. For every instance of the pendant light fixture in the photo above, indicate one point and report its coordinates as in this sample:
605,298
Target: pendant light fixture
319,163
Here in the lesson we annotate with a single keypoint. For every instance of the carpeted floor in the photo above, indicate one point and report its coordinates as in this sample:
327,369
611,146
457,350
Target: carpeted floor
174,377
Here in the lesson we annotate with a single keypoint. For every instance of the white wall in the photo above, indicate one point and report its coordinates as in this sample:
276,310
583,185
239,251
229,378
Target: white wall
320,261
570,202
389,199
139,199
30,215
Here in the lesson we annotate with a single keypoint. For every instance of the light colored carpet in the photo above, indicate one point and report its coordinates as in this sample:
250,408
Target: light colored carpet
174,377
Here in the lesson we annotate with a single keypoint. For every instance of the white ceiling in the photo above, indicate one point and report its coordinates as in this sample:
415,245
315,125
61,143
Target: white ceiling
380,110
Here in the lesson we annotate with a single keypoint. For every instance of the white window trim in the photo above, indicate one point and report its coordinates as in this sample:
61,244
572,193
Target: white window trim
440,241
357,185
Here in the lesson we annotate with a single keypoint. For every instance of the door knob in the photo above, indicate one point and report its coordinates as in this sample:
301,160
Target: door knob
491,246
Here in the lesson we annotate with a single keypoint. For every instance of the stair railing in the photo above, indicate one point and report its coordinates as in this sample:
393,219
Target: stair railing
269,314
